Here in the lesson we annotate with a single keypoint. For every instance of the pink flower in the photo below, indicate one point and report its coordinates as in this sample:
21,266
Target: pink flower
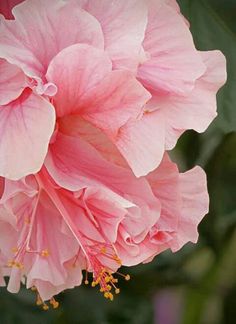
122,41
92,93
100,230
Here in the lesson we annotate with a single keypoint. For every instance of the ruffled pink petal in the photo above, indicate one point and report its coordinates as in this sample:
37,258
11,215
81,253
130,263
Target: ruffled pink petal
12,82
123,24
164,182
115,101
142,142
75,71
38,33
74,164
197,109
174,63
26,126
6,7
74,125
195,204
105,213
50,268
106,99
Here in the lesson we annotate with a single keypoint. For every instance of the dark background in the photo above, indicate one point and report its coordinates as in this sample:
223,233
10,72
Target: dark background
197,284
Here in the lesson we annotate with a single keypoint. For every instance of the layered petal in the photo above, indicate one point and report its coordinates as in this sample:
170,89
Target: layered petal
142,142
75,164
197,109
76,70
123,24
183,201
12,82
174,63
37,35
107,99
195,205
26,127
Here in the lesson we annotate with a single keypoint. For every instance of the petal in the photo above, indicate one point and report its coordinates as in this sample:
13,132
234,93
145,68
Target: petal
198,109
164,182
74,125
142,142
75,70
75,164
123,24
195,205
116,100
12,82
106,99
37,34
26,126
50,268
174,63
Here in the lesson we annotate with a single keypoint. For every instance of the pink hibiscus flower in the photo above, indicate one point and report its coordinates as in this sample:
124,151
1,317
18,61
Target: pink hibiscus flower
86,108
100,231
137,38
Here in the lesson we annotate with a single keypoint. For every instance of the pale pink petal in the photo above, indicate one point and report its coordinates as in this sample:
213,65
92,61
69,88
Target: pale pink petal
197,109
50,268
26,127
106,212
174,63
115,101
74,125
195,204
75,164
12,82
43,28
106,99
164,182
75,71
142,142
6,7
123,23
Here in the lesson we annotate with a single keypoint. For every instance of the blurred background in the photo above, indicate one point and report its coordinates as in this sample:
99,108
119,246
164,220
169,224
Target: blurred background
198,284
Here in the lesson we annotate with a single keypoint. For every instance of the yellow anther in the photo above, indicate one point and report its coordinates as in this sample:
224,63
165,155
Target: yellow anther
127,277
94,284
107,279
117,259
45,307
86,282
39,301
54,303
45,253
117,291
111,297
15,250
18,265
108,287
106,294
10,264
27,220
103,250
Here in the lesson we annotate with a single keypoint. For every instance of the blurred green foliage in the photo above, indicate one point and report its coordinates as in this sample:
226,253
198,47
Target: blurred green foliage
200,279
